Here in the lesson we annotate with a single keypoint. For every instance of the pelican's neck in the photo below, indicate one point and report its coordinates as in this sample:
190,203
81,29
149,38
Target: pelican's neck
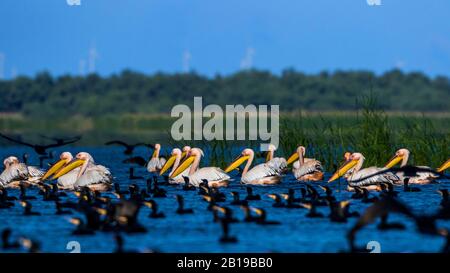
83,168
270,155
249,163
301,158
359,164
176,163
195,164
156,153
405,160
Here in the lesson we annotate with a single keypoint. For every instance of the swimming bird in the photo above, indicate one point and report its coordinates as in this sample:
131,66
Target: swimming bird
28,209
305,169
187,186
261,174
363,177
236,200
312,211
278,202
250,196
6,243
23,193
262,215
423,177
154,207
16,172
81,227
156,162
59,209
407,187
81,172
328,193
5,203
181,209
174,161
277,163
366,198
129,148
215,176
248,217
226,238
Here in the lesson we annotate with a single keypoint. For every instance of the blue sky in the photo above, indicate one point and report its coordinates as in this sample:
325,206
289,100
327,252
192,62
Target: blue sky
223,36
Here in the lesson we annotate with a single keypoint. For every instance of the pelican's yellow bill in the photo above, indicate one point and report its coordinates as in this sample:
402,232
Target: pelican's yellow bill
54,168
394,160
444,166
72,165
168,164
236,163
342,170
292,158
183,166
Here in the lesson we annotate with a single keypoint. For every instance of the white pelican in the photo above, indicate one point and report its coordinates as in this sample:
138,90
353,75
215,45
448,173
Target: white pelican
15,172
215,176
174,160
79,172
278,163
402,155
305,169
156,163
354,179
261,174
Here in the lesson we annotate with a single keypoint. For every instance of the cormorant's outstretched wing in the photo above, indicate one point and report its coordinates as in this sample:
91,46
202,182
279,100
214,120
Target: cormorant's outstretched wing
62,143
407,170
136,160
60,140
17,140
118,142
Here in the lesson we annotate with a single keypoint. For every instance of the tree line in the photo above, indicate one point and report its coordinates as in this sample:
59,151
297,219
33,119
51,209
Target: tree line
133,92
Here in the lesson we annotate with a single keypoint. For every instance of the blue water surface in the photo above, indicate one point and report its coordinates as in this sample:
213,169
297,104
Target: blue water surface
198,233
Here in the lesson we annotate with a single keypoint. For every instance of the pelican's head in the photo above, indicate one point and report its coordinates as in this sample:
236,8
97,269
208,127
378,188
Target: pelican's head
10,160
169,163
85,156
347,156
294,156
353,160
444,166
186,150
64,159
244,156
194,153
156,150
399,156
80,159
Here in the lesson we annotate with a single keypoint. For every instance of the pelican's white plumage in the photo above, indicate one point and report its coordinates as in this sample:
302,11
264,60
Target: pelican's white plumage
89,174
215,176
277,163
15,171
423,177
363,177
261,174
305,169
156,163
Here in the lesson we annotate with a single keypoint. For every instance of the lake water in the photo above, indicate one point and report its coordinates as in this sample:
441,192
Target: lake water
198,233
